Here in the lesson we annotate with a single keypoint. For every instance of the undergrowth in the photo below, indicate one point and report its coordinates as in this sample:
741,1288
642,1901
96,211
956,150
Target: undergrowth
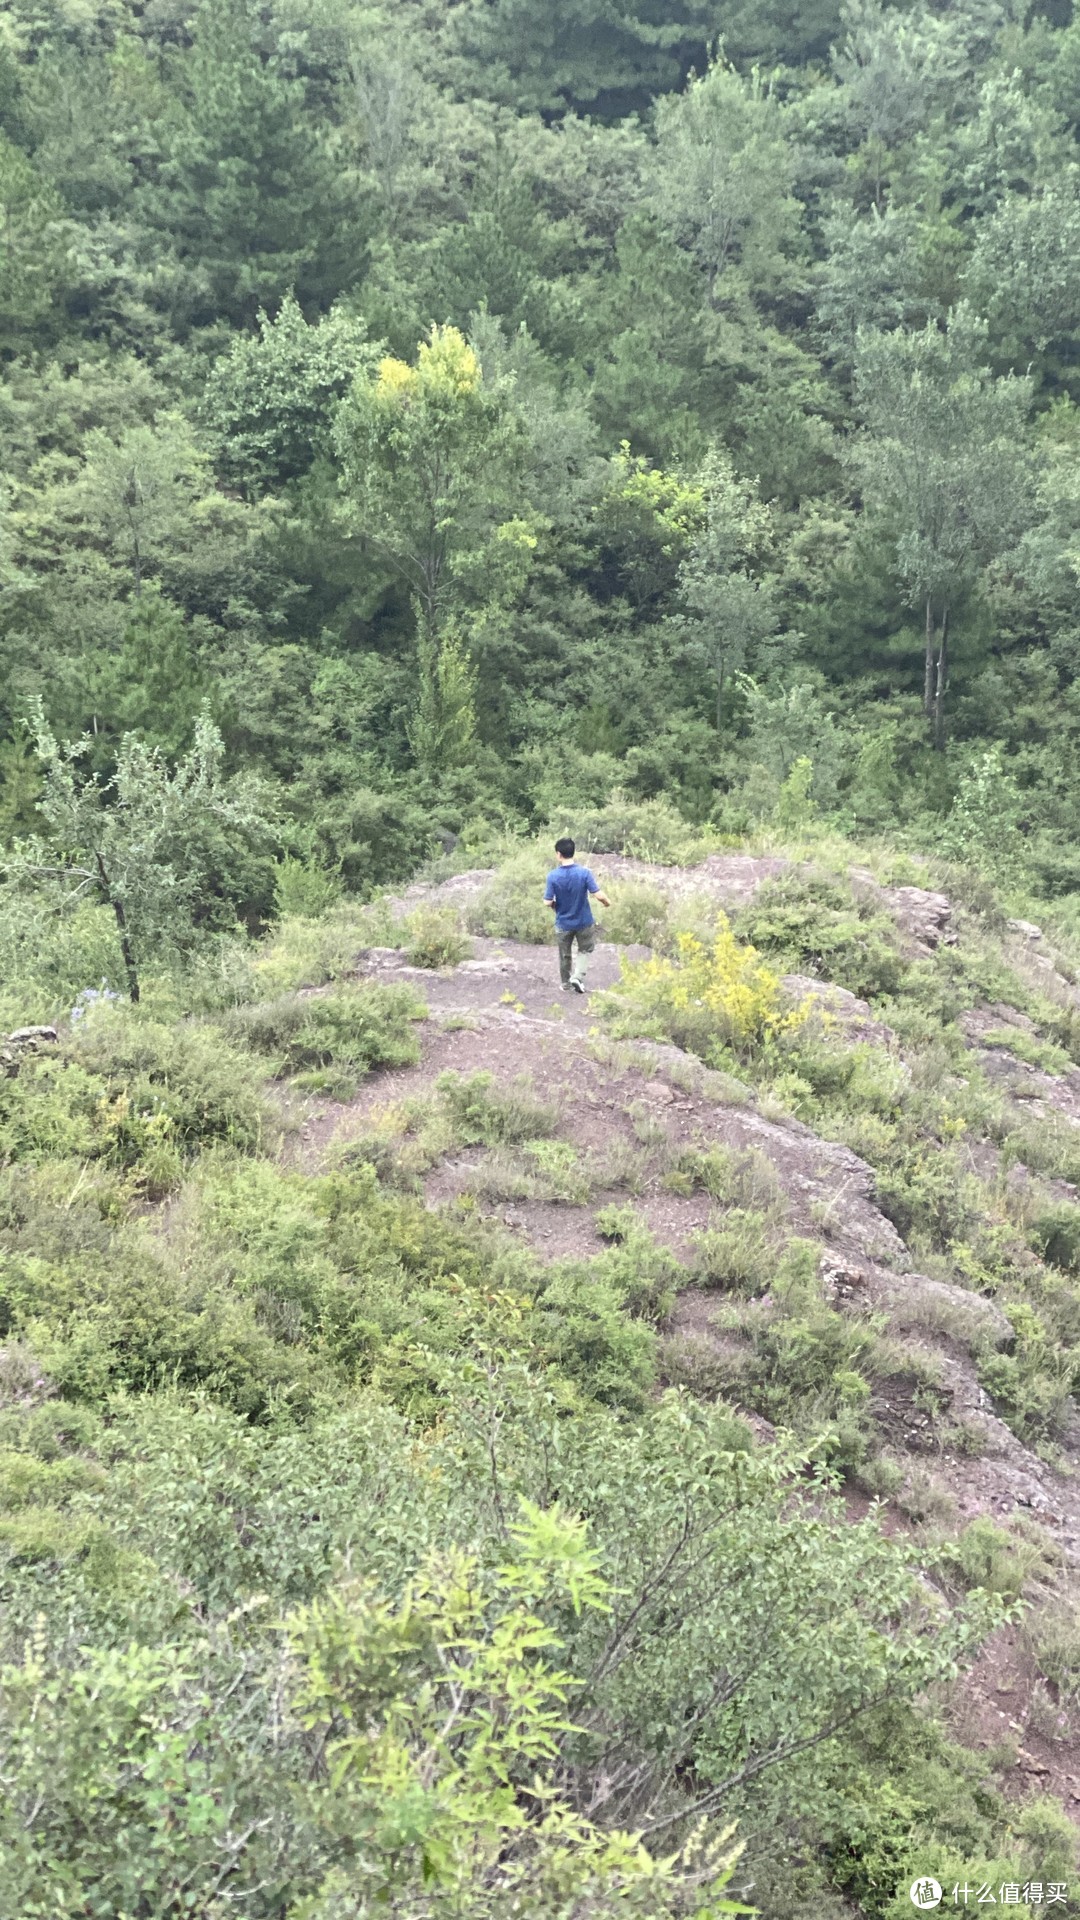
277,1378
327,1042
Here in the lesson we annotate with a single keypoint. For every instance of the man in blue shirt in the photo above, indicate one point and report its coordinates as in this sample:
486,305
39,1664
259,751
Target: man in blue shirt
567,892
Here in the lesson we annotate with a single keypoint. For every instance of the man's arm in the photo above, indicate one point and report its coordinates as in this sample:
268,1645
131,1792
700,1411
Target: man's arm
595,891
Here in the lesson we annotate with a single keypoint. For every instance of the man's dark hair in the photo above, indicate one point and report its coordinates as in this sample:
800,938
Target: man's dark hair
564,849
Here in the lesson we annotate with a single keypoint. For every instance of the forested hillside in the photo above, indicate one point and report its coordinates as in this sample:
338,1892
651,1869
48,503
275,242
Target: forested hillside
476,405
468,1453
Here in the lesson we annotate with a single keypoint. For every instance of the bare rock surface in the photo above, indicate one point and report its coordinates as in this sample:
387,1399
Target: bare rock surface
993,1017
1029,1088
729,879
924,919
501,1011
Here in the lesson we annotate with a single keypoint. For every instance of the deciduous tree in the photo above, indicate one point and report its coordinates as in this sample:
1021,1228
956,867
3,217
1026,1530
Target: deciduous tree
730,606
141,843
425,453
942,463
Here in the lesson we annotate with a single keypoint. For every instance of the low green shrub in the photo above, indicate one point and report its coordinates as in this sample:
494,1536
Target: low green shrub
539,1170
709,1170
809,1367
739,1256
435,938
987,1556
1048,1838
598,1317
703,1365
1055,1232
859,1078
1032,1385
644,1273
816,925
511,906
1048,1144
135,1094
1060,1023
1053,1634
208,1091
137,1319
40,1535
881,1476
925,1189
745,1178
584,1330
560,1165
637,916
915,1805
1031,1390
303,889
47,958
329,1041
481,1113
642,829
52,1430
306,952
618,1163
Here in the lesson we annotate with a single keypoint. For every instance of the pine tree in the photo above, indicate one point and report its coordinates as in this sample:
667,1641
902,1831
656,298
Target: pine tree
249,194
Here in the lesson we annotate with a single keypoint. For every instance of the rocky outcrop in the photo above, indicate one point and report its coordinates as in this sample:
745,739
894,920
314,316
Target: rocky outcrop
25,1040
924,920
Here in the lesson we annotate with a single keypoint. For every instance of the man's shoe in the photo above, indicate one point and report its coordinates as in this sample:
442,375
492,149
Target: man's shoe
576,986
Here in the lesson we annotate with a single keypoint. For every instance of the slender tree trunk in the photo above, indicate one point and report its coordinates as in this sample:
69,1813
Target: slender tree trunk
425,726
122,929
130,501
720,697
928,664
941,683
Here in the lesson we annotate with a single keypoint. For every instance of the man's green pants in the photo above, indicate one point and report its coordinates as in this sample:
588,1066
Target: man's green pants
586,942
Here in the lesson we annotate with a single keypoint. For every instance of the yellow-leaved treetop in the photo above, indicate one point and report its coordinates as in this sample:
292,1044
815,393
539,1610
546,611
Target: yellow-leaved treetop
447,370
427,457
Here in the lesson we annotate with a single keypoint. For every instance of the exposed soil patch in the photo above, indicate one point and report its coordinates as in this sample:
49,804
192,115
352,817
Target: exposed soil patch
501,1012
992,1711
471,1029
638,1105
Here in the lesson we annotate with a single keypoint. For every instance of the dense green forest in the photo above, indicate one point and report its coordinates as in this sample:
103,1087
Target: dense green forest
740,423
425,427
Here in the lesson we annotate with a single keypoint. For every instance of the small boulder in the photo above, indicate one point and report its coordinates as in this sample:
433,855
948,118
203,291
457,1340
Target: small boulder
842,1282
924,919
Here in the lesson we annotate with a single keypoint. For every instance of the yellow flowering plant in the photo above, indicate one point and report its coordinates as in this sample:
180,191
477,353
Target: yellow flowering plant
715,998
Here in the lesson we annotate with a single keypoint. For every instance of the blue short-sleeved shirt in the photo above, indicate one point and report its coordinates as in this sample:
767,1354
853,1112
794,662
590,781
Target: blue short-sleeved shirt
570,888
